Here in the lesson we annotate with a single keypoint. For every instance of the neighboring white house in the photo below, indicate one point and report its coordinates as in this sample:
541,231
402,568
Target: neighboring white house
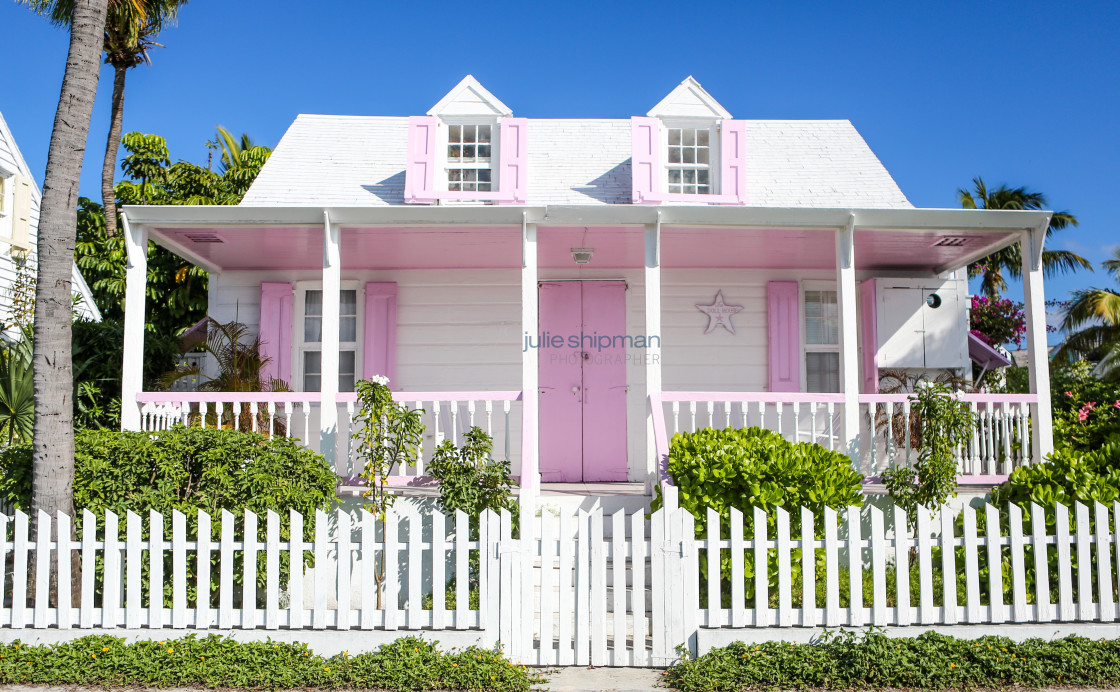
19,229
743,272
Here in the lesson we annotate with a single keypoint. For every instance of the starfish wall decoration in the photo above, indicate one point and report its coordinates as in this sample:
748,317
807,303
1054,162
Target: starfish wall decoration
719,313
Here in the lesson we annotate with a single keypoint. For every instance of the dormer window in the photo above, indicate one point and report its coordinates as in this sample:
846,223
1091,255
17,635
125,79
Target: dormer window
469,152
688,150
689,162
468,149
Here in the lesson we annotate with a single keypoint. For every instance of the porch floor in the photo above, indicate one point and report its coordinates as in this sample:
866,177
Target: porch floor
593,489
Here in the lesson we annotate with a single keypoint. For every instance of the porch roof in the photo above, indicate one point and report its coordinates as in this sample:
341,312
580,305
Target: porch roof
936,240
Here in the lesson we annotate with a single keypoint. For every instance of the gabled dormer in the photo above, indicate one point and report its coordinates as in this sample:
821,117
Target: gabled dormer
688,149
468,148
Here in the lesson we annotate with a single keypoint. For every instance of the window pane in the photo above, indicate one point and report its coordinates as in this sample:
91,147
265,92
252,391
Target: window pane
313,329
701,156
346,371
455,134
483,151
483,133
312,369
689,155
688,137
454,151
674,137
702,138
468,133
347,329
313,303
822,318
468,151
674,155
822,372
484,175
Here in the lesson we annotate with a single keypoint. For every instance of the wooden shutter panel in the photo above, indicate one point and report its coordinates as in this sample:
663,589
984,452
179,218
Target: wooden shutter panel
733,160
379,349
275,331
21,212
870,337
645,160
785,336
512,179
420,169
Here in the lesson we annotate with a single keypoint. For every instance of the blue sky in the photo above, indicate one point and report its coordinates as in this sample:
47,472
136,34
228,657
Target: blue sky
1018,92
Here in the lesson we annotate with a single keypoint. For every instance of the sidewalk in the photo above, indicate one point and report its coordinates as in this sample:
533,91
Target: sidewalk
584,679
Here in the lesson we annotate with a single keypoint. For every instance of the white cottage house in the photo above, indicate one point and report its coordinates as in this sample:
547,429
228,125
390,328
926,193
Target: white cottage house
583,288
19,232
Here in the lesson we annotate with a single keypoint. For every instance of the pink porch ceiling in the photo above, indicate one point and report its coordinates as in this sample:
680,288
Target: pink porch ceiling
475,247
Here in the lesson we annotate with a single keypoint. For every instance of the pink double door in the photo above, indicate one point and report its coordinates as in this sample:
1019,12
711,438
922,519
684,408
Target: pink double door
582,367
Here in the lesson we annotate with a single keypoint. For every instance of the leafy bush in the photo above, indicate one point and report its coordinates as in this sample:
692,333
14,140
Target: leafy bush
409,663
1086,409
943,424
930,661
469,479
997,322
1068,476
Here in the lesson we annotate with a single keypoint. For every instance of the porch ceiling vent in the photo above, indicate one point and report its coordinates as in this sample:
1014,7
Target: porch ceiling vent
582,255
203,238
951,241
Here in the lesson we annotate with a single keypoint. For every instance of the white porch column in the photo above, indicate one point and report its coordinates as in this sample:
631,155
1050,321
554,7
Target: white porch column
653,328
849,346
328,387
136,286
530,468
1038,365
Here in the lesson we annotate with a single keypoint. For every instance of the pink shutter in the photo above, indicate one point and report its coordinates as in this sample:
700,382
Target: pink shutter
514,155
870,337
275,331
645,160
420,170
785,336
379,351
733,160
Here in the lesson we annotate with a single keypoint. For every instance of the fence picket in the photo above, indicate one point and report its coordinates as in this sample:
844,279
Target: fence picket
564,647
598,615
1085,607
1102,538
618,585
89,560
995,563
714,610
902,566
42,568
178,570
948,567
490,580
225,571
738,577
1065,580
761,570
369,566
342,583
1043,610
132,570
249,578
415,597
296,548
271,569
640,655
971,567
583,583
202,587
1018,573
926,608
111,584
785,596
65,598
462,568
548,547
855,568
808,576
831,570
439,568
878,567
322,529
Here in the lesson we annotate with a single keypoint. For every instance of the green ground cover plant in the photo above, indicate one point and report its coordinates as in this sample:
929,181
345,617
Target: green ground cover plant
874,661
409,663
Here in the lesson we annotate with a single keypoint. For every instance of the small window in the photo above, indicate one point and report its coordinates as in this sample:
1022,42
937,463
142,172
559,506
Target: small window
689,161
469,150
312,329
822,341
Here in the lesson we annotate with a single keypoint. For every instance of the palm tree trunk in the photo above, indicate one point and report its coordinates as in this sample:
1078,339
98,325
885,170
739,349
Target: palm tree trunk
53,455
112,146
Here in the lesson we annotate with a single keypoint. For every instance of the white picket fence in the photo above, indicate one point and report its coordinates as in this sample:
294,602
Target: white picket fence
583,589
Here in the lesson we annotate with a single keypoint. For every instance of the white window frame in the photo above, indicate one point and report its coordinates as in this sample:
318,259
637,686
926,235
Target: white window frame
444,165
714,150
299,346
806,347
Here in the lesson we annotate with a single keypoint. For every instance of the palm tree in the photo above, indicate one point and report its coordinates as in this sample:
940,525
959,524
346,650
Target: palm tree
1009,260
1093,321
130,29
52,458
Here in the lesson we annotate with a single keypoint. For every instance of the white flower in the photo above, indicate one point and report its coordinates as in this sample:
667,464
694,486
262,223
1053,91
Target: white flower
380,379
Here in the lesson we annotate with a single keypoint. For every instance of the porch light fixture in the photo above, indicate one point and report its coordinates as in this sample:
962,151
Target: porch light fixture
582,255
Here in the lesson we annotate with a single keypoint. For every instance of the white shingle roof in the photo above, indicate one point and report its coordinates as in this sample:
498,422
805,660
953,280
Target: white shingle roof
327,160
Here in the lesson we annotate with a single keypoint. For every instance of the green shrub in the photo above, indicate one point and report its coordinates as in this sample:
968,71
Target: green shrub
469,479
930,661
1086,410
1067,476
409,663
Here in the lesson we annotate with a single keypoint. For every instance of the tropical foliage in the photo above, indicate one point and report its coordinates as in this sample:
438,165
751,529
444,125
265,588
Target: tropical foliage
469,478
995,268
17,389
1093,320
997,321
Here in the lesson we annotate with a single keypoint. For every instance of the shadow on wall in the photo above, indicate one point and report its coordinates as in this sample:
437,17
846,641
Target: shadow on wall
390,190
612,187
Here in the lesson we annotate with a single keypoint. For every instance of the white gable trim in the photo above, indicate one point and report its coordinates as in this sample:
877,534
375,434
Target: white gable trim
689,100
470,98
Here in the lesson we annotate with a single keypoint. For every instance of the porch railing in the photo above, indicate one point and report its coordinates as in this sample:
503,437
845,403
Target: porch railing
297,415
1000,442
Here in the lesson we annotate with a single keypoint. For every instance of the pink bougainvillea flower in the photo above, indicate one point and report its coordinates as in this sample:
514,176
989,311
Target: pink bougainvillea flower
1081,416
1090,405
1069,393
